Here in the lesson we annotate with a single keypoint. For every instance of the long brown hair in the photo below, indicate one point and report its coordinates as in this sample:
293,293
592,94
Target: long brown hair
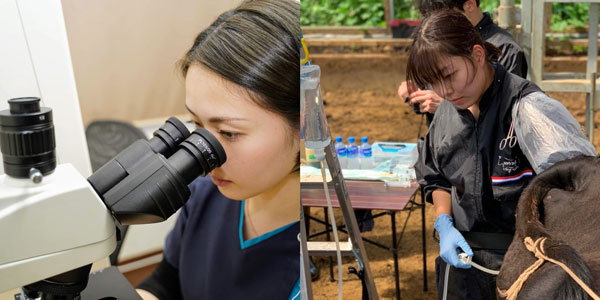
257,46
444,33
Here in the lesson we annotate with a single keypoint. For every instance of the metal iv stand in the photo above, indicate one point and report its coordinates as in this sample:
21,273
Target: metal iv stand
315,131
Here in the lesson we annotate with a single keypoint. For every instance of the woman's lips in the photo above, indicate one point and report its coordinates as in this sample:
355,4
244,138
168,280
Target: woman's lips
220,182
456,100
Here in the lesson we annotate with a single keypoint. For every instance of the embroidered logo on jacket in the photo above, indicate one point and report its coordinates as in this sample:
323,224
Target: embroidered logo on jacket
508,165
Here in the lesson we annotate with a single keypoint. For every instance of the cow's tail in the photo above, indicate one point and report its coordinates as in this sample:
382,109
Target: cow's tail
572,288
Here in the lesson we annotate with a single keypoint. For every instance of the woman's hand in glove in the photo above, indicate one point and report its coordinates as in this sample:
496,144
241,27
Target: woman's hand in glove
450,240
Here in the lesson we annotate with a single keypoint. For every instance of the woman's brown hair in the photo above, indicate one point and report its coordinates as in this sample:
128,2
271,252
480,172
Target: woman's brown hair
445,33
256,46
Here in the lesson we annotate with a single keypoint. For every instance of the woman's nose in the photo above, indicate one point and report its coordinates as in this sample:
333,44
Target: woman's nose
448,92
214,171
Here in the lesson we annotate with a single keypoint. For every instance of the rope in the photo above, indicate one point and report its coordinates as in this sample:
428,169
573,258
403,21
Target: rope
537,248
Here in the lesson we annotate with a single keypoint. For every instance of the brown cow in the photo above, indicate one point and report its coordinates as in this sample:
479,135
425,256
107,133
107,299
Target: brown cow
561,204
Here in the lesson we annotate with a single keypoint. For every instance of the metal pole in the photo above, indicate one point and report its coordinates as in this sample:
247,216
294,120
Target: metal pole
537,41
592,53
306,281
590,109
506,16
423,237
391,9
358,247
395,253
592,66
328,237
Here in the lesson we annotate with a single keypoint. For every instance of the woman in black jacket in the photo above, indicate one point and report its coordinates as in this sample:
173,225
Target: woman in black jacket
494,131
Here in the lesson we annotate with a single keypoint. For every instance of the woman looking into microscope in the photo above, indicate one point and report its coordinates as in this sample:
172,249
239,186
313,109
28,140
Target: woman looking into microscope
236,237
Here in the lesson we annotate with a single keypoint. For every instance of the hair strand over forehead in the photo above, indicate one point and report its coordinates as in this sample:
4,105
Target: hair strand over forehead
443,34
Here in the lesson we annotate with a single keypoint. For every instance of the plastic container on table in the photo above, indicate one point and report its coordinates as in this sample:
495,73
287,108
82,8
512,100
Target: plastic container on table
396,152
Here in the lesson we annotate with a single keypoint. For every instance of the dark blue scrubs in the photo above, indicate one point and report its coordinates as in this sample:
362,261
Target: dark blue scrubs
215,262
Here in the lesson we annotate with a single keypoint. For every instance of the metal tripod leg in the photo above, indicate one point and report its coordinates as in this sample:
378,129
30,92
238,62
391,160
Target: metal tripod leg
328,237
350,219
306,278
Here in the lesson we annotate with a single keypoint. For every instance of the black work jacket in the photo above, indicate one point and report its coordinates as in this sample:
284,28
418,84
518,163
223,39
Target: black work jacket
513,57
461,155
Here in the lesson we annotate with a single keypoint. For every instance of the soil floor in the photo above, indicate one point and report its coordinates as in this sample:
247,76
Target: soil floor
361,100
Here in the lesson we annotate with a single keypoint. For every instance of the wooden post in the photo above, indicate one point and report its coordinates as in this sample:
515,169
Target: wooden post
386,12
548,16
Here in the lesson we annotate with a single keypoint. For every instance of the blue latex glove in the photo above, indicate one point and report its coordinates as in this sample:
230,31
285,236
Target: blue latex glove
450,240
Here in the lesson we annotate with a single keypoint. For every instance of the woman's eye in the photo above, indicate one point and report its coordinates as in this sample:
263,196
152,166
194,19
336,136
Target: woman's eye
229,135
196,124
448,76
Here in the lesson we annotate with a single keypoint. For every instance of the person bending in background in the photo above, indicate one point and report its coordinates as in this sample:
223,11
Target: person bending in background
512,57
495,131
237,235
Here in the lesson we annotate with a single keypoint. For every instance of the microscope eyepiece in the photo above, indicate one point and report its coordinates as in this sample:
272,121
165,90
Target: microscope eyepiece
168,137
147,182
27,138
198,155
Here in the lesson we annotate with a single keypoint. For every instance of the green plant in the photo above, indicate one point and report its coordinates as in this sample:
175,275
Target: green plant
371,12
581,49
488,5
565,14
342,13
406,9
361,12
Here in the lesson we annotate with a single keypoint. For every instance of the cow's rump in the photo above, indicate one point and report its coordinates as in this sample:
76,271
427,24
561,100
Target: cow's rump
560,210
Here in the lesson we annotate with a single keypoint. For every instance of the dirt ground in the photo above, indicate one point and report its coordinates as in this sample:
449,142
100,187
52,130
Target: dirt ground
361,100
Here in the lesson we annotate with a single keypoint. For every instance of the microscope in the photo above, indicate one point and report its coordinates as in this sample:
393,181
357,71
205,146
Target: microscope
54,222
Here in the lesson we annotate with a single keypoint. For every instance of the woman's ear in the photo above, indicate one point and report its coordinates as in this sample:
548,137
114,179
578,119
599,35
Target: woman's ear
469,6
478,54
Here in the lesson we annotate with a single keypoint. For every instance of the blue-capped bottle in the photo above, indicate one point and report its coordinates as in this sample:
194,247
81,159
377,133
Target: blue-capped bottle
341,151
353,153
366,155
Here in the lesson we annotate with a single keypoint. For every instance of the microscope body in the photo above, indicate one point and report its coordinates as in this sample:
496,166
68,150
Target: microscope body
54,222
48,227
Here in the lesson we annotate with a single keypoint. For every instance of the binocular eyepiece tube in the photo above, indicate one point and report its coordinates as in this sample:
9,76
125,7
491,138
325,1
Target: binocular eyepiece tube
147,182
165,141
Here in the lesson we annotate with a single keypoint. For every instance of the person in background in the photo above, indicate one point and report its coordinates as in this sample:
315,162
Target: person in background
484,145
237,235
512,57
